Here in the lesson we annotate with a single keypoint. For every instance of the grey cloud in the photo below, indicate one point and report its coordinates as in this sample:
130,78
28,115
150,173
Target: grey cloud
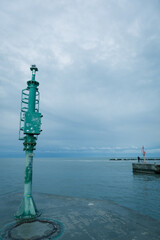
98,71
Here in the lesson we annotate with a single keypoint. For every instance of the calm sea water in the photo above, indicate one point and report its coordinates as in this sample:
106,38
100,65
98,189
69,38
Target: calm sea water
87,178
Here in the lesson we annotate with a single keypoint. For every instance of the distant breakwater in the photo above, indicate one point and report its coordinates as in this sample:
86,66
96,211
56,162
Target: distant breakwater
133,159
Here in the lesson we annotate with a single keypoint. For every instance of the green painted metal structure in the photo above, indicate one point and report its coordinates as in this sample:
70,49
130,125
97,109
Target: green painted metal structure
30,128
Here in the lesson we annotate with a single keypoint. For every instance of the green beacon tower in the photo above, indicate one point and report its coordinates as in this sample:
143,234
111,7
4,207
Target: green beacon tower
30,128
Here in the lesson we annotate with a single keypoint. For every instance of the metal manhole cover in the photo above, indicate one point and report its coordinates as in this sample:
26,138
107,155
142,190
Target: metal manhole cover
39,229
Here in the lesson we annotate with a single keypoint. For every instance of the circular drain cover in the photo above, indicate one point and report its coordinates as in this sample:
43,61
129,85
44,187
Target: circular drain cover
39,229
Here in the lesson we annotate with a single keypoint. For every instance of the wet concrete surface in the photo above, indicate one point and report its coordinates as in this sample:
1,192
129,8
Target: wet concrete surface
30,230
84,219
38,229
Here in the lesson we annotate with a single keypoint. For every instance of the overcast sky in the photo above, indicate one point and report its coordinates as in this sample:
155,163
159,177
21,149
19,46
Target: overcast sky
99,74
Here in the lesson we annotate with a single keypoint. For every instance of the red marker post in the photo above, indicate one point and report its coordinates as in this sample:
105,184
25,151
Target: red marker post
143,152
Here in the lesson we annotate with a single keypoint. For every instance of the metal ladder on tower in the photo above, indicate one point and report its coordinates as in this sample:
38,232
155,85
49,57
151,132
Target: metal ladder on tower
24,109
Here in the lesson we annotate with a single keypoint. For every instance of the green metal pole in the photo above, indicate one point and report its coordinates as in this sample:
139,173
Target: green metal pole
27,209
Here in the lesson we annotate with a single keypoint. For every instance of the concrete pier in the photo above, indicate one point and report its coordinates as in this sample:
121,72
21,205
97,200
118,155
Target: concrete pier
83,219
146,168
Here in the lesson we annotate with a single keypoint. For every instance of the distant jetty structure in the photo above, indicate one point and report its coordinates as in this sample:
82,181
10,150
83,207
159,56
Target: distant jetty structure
132,159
